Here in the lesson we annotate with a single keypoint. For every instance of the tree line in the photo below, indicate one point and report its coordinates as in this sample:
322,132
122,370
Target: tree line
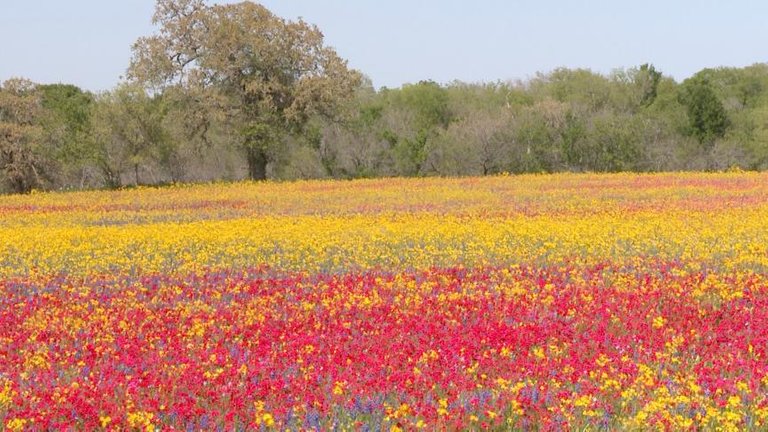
227,92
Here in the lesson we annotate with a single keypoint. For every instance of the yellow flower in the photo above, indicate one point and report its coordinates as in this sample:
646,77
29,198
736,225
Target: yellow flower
442,409
268,420
6,394
16,424
105,420
659,322
141,419
734,401
583,401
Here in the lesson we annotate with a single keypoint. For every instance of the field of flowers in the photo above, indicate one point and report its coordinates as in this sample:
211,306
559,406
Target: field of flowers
515,302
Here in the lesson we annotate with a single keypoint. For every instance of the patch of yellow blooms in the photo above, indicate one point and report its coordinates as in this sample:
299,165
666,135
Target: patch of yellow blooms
140,420
316,226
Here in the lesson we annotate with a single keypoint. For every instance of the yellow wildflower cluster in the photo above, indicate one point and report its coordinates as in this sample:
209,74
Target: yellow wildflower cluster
140,420
6,393
398,224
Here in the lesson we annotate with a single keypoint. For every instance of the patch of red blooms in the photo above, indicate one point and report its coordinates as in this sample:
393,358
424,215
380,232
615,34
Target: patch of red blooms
222,347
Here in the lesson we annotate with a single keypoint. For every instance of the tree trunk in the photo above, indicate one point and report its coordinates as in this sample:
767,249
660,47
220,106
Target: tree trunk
257,163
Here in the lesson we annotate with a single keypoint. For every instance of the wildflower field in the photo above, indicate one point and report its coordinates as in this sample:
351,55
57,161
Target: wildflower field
515,302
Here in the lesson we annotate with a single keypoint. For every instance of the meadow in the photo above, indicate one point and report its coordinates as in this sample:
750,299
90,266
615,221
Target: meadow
549,302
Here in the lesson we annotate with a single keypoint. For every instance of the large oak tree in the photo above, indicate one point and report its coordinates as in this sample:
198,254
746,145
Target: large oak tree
267,75
21,158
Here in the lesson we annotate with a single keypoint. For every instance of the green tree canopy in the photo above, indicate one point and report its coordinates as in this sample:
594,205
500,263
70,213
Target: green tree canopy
268,74
65,121
706,115
21,160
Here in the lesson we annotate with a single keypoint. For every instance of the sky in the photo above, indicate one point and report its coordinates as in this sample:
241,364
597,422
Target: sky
88,42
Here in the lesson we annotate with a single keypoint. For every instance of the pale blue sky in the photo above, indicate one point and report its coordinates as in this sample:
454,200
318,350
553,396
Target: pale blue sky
87,42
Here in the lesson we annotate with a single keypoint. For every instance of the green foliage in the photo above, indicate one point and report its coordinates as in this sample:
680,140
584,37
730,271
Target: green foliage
535,141
269,76
66,122
706,113
423,111
738,88
128,135
68,102
756,142
575,148
23,160
233,91
466,99
647,80
427,100
615,144
580,87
